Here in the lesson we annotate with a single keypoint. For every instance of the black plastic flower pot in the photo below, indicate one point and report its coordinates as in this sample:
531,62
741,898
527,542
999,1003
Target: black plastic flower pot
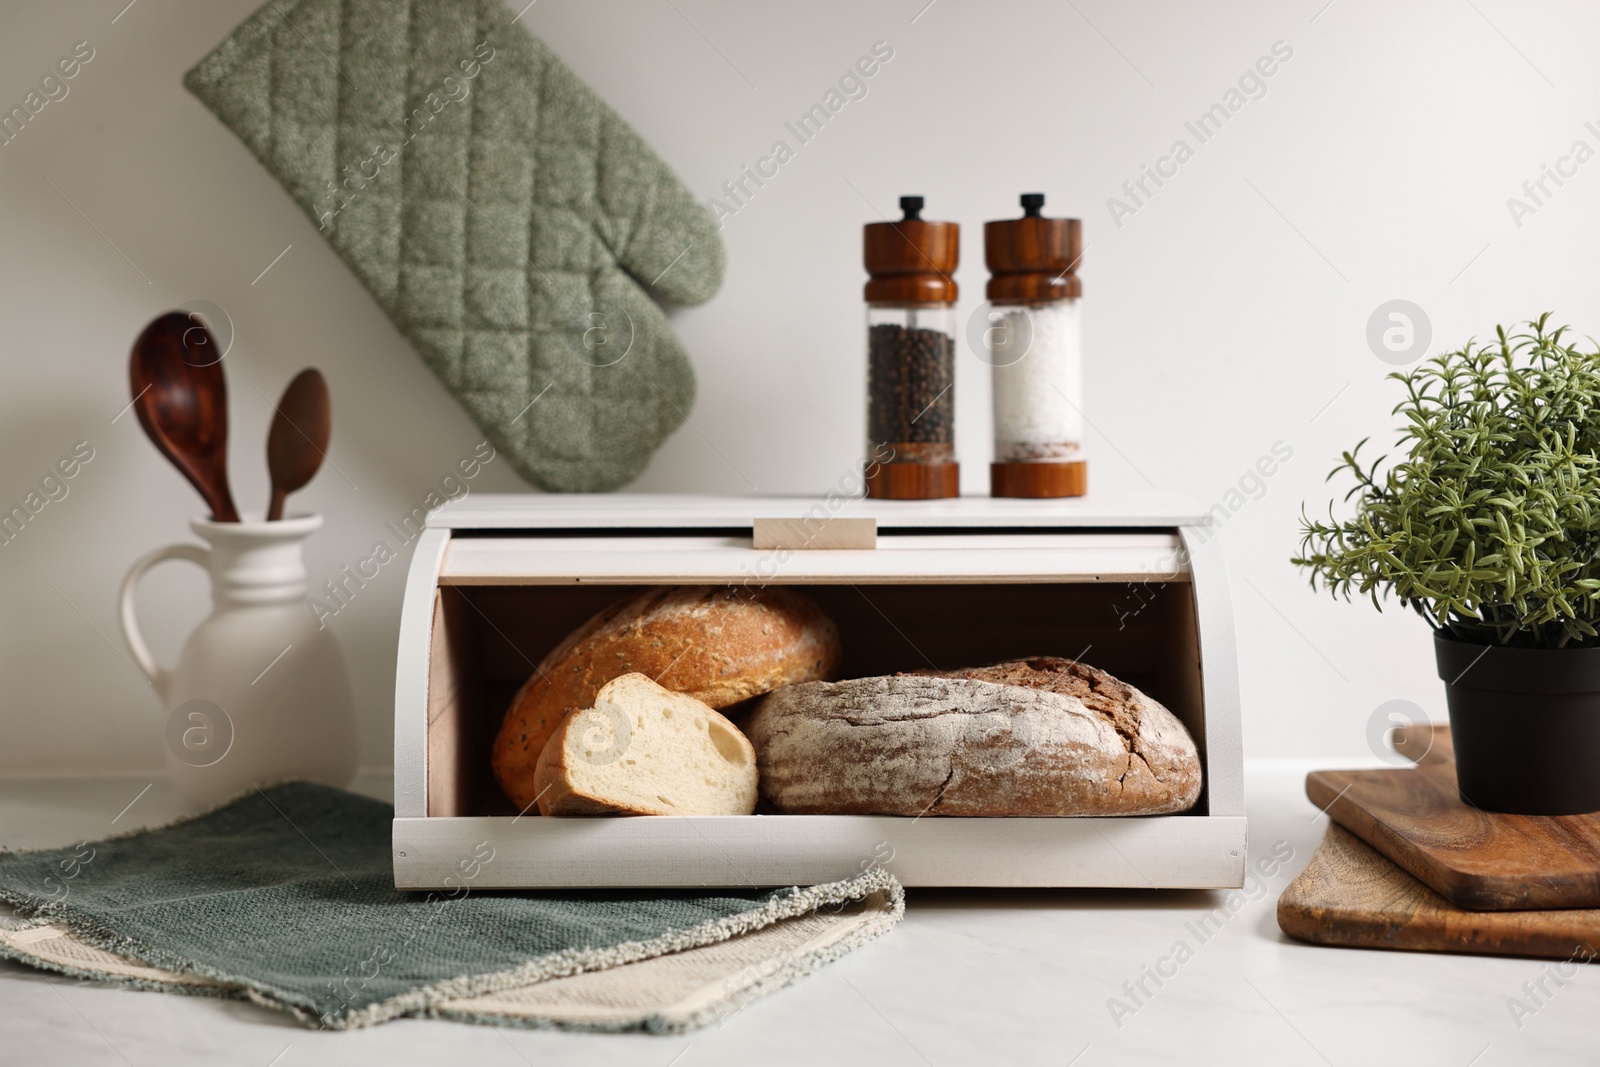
1525,723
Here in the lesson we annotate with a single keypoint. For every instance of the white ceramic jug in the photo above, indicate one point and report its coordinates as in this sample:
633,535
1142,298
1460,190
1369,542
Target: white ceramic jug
260,693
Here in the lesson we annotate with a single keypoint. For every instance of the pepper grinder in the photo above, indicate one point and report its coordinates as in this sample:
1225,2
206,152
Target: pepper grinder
911,344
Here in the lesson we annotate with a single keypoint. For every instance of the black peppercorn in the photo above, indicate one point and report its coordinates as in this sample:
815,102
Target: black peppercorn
910,390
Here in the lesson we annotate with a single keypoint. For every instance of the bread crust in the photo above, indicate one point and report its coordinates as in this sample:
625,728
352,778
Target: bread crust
1037,737
719,644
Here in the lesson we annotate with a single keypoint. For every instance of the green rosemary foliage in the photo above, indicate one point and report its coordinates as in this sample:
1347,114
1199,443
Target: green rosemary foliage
1490,526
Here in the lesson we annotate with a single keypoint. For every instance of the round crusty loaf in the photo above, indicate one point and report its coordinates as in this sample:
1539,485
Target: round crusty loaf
1036,737
718,644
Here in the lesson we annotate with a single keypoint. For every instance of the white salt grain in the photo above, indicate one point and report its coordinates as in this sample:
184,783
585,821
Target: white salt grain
1037,396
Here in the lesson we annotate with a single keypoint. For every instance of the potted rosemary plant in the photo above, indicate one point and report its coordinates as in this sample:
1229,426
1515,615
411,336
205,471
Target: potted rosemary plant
1488,526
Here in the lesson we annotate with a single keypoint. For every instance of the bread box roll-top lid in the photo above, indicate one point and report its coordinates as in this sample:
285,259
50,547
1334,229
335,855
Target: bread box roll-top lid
911,260
1033,259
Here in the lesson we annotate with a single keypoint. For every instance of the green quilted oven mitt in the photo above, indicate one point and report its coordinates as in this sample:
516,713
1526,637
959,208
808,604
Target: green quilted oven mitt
509,222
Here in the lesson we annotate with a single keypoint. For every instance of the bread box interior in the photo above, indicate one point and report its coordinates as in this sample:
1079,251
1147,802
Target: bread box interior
488,637
1136,588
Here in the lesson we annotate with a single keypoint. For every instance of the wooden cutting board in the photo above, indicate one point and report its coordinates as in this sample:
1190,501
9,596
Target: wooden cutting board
1350,895
1475,859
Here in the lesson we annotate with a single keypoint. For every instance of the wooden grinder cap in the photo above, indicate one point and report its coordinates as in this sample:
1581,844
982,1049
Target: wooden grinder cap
1033,259
911,260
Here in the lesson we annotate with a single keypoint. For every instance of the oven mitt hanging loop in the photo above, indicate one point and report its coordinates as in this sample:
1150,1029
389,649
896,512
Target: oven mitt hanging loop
509,223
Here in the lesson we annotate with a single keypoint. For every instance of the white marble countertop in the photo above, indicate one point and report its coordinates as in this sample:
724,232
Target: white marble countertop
1022,977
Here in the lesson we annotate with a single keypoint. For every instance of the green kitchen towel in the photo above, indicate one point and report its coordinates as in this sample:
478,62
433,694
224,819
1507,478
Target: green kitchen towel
286,897
507,220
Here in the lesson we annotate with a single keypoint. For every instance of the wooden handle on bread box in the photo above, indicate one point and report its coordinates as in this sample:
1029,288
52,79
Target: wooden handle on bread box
815,532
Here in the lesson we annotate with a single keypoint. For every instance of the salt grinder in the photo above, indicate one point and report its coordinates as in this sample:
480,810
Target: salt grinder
1034,343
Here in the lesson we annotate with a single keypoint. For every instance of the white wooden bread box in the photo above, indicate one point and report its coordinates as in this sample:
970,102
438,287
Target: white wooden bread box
1135,585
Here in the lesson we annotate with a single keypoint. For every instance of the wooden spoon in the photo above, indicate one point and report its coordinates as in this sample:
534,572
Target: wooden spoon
182,402
298,440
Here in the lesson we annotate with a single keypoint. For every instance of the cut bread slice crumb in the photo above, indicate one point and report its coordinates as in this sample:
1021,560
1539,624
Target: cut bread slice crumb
645,750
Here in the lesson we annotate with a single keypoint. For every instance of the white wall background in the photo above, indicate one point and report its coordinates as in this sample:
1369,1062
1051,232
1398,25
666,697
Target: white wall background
1227,314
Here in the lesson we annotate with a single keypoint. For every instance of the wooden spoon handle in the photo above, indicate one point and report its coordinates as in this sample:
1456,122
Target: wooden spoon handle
275,505
223,510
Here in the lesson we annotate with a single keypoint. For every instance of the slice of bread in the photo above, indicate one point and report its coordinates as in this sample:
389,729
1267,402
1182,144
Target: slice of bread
645,750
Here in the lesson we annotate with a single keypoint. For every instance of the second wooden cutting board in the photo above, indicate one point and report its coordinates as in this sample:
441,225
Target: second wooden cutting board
1349,895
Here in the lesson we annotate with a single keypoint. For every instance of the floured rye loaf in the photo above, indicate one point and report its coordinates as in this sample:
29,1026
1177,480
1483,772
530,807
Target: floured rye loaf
717,644
1035,737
